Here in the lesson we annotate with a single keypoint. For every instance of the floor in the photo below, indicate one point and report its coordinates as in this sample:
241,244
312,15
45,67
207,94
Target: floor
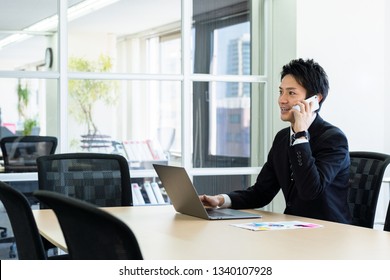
5,247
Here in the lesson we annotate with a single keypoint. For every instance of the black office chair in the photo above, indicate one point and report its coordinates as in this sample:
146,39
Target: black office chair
366,174
91,233
20,152
19,155
28,240
101,179
386,227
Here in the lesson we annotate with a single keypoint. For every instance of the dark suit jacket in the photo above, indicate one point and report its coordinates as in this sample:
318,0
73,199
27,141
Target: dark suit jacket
320,173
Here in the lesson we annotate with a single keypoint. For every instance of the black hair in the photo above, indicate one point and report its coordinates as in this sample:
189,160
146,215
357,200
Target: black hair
309,74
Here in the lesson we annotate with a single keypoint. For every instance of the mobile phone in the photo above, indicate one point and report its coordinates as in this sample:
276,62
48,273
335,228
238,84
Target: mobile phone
313,99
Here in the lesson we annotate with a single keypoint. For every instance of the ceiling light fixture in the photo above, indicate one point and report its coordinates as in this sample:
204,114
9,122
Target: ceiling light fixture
49,25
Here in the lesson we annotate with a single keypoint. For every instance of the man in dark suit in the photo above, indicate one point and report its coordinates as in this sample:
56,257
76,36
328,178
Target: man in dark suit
309,161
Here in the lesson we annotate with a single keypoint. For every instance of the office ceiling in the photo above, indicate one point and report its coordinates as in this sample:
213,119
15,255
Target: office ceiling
122,17
19,14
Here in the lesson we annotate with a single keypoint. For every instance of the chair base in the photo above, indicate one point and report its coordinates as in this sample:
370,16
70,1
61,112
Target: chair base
12,248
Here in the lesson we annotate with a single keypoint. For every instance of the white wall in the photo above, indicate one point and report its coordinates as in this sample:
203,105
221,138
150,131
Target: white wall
387,75
347,39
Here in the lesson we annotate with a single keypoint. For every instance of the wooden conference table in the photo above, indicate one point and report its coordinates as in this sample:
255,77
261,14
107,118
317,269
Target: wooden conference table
164,234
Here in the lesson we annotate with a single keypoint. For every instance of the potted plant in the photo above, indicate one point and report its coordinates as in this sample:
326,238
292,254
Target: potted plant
86,93
29,123
23,100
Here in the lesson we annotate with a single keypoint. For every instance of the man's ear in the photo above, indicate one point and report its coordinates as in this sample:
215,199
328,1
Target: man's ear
319,95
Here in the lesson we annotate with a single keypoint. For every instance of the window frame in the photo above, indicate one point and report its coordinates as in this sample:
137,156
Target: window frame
186,77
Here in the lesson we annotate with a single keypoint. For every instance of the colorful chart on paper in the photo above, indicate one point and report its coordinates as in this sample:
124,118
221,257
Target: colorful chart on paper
264,226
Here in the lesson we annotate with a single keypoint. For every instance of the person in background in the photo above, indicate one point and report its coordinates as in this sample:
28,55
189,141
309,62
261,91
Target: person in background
309,160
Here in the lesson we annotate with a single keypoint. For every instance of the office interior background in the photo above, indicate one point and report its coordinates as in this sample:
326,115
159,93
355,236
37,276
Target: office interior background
199,79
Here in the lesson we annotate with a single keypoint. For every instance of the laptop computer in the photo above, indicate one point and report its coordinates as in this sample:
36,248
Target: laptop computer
185,198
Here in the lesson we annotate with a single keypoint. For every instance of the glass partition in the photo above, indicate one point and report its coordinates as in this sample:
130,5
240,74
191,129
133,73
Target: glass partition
28,42
139,119
140,36
126,59
25,108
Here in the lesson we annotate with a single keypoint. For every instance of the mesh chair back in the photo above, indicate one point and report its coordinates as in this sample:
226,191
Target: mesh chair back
366,174
100,179
387,220
20,153
27,238
85,237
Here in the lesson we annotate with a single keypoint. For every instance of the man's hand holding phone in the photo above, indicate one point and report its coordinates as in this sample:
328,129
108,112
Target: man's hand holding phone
314,103
302,120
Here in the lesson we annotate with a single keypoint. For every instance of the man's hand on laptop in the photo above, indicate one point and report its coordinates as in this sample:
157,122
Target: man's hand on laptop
212,201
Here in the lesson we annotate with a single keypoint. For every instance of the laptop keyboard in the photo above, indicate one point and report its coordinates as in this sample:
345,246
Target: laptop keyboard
215,213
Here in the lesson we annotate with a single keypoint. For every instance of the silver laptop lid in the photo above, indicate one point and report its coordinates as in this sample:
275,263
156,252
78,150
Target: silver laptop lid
180,190
185,198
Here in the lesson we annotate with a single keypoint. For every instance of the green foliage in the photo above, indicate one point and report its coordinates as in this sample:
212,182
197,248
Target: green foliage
29,124
23,100
85,93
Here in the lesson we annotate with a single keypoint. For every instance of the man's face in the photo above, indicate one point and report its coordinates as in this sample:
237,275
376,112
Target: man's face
290,92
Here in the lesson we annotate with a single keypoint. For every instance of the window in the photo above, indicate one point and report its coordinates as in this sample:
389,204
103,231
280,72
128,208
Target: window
222,47
201,103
